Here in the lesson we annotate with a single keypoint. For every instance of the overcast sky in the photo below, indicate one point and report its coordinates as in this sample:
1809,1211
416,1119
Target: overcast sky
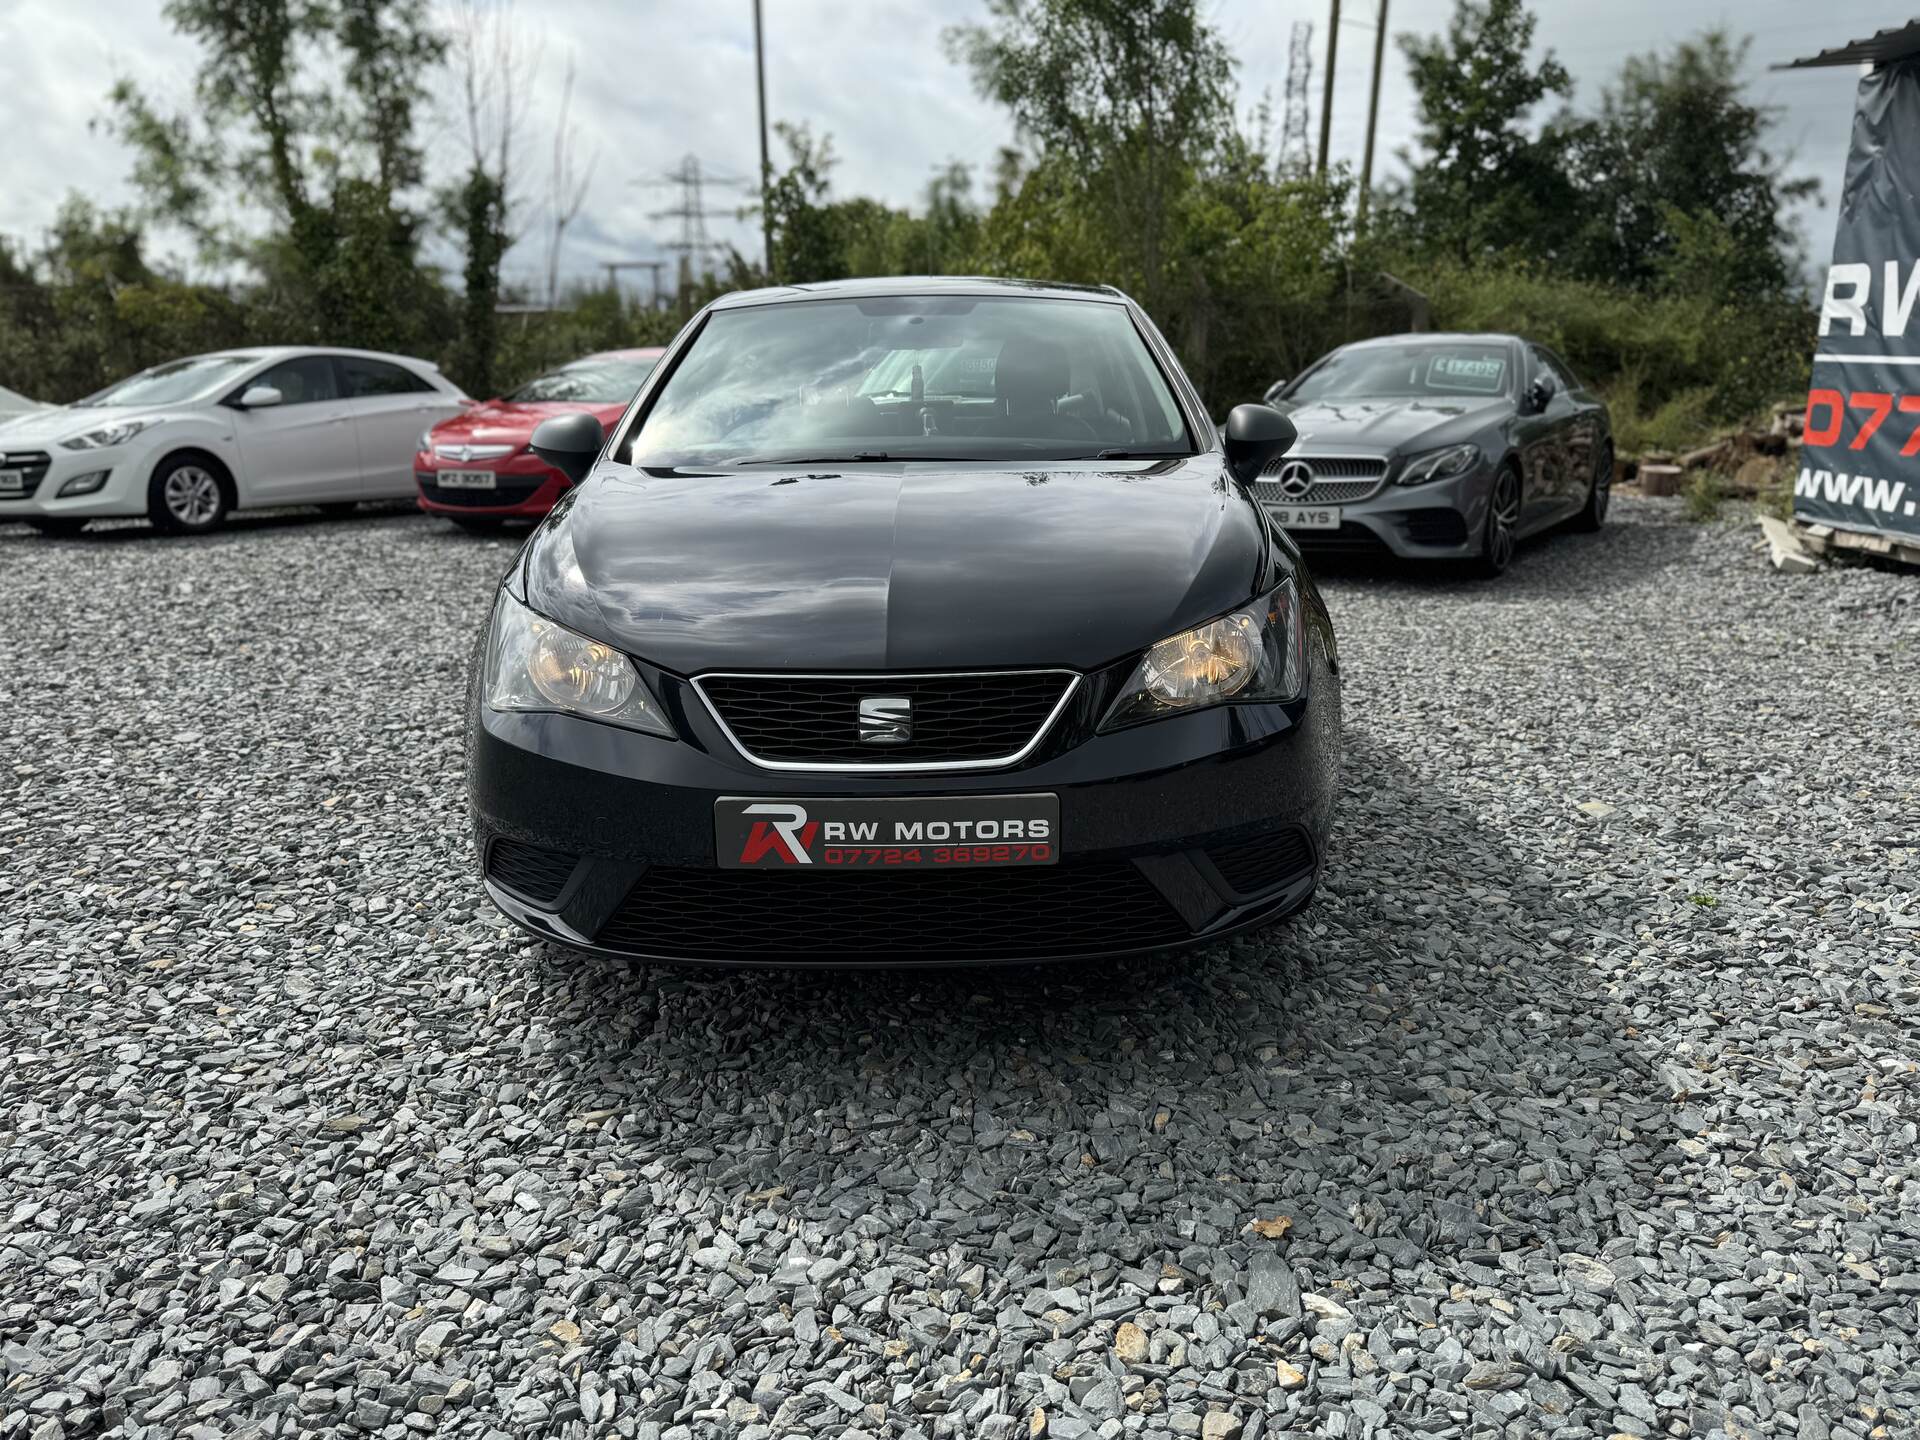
658,81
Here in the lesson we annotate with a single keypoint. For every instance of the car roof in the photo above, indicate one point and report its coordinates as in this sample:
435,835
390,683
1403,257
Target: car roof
1427,336
974,285
642,352
289,352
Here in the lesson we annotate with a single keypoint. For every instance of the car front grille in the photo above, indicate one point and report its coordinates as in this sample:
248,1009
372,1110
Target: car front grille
531,872
1337,479
508,490
1264,863
1086,908
33,465
802,721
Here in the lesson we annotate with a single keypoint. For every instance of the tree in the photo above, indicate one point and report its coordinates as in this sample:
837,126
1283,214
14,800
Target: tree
1481,184
567,182
804,236
1127,98
1679,187
88,308
307,106
495,68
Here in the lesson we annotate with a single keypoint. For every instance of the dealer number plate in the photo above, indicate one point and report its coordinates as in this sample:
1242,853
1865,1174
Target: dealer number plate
465,480
13,482
1306,517
956,832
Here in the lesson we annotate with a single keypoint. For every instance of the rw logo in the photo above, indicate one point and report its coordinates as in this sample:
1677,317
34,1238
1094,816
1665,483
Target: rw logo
787,836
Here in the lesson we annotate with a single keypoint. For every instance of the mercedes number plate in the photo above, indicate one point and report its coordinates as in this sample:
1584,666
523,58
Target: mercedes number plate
954,832
465,480
13,482
1306,517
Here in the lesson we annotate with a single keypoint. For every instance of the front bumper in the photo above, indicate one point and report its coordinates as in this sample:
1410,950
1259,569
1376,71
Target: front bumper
1440,520
50,467
526,489
1172,833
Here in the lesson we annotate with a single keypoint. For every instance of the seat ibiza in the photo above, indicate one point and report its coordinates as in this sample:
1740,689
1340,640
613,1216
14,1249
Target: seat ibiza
900,622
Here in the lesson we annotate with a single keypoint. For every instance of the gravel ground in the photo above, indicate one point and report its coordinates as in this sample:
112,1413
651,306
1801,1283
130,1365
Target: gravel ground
1582,1102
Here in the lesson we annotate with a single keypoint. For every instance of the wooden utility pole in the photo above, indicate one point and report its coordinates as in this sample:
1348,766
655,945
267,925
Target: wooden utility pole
1373,120
1326,94
760,81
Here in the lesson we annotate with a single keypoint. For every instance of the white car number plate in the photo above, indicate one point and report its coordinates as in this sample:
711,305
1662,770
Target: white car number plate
465,480
1306,517
13,482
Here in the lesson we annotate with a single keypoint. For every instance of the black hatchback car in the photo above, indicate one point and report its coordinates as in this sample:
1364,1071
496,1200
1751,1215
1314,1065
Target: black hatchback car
906,621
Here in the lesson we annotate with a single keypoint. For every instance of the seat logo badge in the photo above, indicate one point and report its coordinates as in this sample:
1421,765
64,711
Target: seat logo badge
886,720
1296,478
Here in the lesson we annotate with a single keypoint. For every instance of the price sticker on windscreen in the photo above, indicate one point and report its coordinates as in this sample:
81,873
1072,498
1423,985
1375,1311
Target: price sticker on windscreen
1475,374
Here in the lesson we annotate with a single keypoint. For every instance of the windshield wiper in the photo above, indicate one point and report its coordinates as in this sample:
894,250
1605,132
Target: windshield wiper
1133,455
857,457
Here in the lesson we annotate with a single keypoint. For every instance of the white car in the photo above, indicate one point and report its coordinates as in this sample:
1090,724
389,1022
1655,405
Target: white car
191,440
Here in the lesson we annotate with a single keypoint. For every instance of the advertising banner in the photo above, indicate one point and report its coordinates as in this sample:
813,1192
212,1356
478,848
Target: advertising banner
1860,463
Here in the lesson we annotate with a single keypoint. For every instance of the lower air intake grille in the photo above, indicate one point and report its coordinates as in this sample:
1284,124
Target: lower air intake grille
815,719
1091,908
1435,527
1253,867
529,871
1351,538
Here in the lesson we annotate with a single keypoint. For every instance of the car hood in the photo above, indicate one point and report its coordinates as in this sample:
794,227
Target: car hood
499,422
898,567
49,427
1385,426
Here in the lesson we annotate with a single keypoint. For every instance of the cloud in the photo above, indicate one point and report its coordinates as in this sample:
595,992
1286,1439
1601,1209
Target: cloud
659,81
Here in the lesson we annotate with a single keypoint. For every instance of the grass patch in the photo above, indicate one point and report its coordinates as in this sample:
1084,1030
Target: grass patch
1704,900
1703,496
1682,423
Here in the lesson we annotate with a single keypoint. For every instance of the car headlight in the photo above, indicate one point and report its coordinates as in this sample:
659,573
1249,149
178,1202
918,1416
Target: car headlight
426,440
1255,653
533,663
1444,464
107,436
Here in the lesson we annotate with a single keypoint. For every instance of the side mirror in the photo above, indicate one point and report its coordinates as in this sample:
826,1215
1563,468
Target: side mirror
1256,435
260,397
1274,390
1540,393
570,443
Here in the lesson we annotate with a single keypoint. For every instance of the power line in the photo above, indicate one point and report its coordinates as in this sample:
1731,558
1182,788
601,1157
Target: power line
1293,128
694,245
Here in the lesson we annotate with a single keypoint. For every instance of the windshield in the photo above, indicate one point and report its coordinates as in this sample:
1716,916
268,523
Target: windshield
1436,370
913,378
587,382
175,381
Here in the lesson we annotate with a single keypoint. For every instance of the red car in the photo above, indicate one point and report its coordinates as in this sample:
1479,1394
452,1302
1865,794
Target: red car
475,467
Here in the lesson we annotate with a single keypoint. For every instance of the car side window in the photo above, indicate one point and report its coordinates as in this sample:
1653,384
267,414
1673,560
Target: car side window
370,379
1545,362
303,381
